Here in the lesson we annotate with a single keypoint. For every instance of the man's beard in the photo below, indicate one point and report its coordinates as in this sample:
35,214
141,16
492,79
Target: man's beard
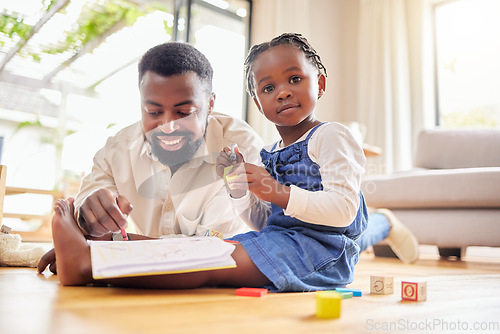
178,157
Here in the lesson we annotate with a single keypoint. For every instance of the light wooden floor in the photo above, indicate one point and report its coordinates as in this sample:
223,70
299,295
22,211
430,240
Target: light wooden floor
477,261
461,294
463,297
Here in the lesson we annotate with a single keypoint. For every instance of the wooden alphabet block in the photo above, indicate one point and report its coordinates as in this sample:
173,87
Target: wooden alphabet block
328,304
414,291
382,285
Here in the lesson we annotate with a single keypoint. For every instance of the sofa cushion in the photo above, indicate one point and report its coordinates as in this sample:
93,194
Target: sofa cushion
453,227
458,148
441,188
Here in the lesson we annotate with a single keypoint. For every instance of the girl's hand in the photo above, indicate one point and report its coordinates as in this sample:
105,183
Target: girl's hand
248,176
224,159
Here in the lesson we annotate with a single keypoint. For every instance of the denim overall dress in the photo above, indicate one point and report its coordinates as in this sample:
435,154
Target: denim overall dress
295,255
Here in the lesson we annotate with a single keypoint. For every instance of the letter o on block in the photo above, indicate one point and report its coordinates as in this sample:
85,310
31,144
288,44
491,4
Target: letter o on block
414,291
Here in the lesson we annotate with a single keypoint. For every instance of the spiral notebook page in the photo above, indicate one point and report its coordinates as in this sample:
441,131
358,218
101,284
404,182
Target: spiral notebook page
155,257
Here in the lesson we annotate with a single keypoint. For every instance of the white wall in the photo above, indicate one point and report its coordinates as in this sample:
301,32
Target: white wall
398,78
331,28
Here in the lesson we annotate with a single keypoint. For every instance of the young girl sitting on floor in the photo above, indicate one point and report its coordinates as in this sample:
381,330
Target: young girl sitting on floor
312,176
306,241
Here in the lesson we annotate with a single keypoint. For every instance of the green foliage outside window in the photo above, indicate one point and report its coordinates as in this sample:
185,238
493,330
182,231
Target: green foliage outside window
94,21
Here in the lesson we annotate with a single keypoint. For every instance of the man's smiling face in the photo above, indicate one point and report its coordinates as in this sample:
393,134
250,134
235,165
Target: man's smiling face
174,115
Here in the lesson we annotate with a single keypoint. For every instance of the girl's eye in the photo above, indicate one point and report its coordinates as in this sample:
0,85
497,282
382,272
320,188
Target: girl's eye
295,79
268,89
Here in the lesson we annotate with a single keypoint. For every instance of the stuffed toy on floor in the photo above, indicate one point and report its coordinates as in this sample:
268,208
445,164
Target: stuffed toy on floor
13,253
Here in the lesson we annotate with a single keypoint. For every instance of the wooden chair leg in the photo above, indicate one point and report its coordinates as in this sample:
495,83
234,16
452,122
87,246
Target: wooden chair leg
3,174
450,253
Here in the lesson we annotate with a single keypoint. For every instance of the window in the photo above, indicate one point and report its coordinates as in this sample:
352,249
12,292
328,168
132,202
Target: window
62,96
467,37
220,29
75,94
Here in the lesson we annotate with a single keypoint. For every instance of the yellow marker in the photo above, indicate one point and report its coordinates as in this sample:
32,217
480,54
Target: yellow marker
227,170
328,304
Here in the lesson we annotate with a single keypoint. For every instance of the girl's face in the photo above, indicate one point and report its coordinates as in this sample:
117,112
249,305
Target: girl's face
287,85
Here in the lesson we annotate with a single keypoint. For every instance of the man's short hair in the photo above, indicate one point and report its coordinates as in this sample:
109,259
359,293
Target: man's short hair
176,58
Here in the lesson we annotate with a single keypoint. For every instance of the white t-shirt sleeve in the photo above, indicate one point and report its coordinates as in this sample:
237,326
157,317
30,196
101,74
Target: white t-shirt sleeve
252,210
341,160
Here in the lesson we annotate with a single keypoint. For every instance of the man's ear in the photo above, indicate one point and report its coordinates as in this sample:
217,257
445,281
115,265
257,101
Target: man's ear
211,103
321,85
257,104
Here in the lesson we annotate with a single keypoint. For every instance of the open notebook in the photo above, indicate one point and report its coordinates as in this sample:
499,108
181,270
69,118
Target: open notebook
163,256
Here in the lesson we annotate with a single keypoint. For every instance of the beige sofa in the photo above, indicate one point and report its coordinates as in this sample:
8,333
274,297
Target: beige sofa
451,198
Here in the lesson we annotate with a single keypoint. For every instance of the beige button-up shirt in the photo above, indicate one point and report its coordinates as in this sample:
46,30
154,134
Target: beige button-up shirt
189,202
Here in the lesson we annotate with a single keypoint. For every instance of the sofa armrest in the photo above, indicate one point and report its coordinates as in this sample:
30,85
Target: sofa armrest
443,188
458,148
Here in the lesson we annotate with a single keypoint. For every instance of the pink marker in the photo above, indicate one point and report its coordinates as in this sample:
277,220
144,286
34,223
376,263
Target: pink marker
124,234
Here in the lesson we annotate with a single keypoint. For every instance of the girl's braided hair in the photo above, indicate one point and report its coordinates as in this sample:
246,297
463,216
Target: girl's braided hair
294,39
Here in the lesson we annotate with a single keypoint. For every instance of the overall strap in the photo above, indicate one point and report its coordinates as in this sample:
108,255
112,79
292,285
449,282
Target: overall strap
313,130
307,138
